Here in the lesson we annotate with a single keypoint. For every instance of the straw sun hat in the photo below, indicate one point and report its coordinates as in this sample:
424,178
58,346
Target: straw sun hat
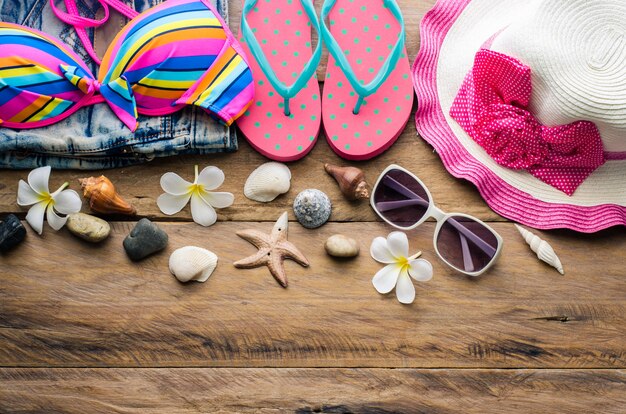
527,100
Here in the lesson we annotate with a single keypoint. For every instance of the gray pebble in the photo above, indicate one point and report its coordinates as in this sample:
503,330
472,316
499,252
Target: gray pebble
312,208
12,233
145,239
89,228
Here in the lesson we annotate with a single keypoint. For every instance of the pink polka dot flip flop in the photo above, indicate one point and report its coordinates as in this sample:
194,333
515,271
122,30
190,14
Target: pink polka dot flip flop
284,121
368,92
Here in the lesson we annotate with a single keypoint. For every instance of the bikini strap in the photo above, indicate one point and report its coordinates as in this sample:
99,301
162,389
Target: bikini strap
81,23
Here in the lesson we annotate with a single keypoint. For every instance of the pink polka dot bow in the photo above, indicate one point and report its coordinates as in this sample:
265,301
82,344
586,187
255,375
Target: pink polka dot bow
490,106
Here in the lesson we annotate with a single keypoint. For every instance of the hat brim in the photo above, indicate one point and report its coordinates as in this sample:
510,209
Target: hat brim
451,34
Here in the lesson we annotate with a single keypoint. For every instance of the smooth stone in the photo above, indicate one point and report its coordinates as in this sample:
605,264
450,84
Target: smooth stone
89,228
145,239
312,208
339,245
12,233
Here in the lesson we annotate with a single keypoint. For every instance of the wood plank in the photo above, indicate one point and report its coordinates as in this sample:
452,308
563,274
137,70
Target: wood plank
140,184
66,303
189,391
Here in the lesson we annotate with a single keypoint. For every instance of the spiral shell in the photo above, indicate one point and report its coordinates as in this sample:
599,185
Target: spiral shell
312,208
544,251
351,181
103,197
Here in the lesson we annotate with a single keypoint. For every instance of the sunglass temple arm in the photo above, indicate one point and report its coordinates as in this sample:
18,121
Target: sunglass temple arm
416,199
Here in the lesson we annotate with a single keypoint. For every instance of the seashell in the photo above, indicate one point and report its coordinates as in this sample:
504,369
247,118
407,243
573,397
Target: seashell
339,245
192,263
351,181
312,208
544,251
103,197
267,182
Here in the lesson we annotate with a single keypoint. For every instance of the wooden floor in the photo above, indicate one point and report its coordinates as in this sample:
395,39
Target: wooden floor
83,329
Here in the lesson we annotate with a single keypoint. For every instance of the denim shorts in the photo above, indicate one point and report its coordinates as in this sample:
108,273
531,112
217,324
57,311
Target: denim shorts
93,137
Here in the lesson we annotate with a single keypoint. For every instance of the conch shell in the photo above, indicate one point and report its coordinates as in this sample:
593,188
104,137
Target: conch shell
351,181
103,198
544,251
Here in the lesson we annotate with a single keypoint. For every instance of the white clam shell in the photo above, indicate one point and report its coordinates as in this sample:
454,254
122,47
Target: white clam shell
542,248
192,263
267,182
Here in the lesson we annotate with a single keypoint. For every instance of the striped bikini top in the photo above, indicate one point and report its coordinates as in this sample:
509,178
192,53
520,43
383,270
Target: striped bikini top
177,53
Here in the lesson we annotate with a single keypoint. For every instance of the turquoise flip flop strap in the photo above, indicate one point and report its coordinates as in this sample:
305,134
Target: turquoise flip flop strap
388,66
287,92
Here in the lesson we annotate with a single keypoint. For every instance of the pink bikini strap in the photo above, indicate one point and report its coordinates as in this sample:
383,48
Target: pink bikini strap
80,23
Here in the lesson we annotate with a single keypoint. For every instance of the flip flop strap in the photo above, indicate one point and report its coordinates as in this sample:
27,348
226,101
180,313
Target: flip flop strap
285,91
387,67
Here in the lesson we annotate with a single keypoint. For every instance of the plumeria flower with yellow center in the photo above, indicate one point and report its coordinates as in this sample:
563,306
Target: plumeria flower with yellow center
35,193
178,192
394,252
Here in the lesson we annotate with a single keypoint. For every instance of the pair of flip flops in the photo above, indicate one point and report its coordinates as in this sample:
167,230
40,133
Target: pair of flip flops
367,96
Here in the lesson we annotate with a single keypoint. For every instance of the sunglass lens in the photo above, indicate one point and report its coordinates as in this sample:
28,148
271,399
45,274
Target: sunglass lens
401,199
466,244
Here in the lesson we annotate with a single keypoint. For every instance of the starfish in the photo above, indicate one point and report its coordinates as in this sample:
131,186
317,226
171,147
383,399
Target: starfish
273,249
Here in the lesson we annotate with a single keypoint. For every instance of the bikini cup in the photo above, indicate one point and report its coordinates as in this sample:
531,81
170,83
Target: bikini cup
177,53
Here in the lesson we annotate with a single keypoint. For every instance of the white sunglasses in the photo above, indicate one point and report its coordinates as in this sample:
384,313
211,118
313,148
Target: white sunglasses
463,242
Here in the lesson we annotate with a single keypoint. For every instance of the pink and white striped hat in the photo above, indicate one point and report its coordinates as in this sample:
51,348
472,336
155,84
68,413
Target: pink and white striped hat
527,100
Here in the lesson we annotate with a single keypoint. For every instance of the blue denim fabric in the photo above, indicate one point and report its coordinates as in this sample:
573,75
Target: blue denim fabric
93,137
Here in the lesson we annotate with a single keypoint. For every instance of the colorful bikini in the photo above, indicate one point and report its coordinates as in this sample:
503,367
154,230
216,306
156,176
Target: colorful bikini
175,54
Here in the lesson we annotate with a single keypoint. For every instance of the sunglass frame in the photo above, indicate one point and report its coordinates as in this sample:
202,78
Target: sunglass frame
434,212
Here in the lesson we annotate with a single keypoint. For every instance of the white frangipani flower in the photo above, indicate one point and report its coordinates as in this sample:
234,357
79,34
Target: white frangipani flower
178,192
37,194
394,252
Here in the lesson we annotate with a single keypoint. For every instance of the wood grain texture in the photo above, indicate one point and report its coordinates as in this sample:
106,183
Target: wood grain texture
301,391
64,303
83,329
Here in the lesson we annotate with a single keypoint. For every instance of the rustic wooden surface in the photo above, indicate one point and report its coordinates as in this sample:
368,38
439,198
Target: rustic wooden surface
189,390
80,305
83,329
